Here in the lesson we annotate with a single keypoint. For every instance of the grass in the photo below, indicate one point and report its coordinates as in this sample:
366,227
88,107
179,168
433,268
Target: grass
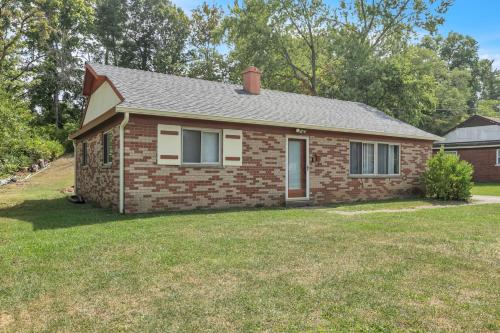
486,189
66,267
385,204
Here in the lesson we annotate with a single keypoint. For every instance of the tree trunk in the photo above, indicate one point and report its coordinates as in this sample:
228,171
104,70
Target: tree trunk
55,106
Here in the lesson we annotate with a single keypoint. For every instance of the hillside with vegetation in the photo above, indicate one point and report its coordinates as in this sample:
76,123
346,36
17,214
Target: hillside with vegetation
387,54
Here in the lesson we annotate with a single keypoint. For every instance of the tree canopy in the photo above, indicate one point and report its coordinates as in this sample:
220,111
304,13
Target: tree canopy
385,53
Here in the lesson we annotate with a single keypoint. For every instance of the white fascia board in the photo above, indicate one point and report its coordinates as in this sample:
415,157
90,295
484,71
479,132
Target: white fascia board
161,113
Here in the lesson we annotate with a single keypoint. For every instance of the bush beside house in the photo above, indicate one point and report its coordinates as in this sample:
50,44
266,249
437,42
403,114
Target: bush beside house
447,177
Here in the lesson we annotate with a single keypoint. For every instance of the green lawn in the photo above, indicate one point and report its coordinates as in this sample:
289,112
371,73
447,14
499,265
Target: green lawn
66,267
386,204
486,189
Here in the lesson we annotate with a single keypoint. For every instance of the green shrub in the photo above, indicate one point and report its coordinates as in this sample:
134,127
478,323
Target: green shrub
447,177
39,148
22,142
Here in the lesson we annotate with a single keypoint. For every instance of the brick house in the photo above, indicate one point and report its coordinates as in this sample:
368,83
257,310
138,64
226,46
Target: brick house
476,140
154,142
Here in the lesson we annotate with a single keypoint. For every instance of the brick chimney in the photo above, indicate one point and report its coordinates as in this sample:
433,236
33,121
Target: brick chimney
251,80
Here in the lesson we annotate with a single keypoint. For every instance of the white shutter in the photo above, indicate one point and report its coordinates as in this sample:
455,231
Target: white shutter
169,145
232,147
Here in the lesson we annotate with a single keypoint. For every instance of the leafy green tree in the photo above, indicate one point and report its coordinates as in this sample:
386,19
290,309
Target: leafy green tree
489,79
20,21
109,27
284,38
206,28
489,107
56,84
387,25
155,36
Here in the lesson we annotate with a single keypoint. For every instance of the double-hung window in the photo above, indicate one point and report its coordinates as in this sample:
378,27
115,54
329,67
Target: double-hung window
84,154
498,157
373,158
107,145
200,146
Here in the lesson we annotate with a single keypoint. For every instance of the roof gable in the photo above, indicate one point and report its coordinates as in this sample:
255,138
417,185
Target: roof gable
103,99
478,120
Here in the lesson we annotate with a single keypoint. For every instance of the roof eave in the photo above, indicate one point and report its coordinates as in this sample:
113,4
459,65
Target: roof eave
165,113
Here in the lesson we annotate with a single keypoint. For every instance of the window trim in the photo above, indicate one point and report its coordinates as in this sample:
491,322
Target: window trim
85,157
498,157
105,162
199,129
375,160
451,152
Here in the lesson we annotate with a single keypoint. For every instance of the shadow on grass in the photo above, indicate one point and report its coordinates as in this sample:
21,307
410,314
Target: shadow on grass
60,213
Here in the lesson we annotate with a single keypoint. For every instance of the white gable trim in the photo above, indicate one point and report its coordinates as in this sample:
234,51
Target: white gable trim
102,100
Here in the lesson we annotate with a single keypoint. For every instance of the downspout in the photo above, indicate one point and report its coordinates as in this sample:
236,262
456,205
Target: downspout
122,163
75,189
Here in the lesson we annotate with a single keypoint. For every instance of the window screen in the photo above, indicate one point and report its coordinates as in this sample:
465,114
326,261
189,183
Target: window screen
374,158
355,158
200,147
84,153
107,143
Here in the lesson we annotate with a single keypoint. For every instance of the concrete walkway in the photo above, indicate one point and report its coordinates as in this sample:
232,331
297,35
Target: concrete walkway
476,200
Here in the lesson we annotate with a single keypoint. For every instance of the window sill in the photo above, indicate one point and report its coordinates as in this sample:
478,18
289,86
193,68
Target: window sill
107,166
375,176
497,165
201,166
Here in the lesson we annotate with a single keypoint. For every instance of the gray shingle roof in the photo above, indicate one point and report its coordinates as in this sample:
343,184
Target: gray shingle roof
170,93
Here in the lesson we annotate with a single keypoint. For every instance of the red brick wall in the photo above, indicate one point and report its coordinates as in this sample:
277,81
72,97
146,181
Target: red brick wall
96,182
483,160
261,178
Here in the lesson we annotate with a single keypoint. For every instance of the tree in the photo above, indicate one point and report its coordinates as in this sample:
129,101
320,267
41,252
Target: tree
155,37
459,52
386,25
109,27
19,20
57,78
287,34
206,61
489,80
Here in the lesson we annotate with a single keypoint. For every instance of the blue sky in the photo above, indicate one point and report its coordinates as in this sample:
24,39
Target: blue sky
477,18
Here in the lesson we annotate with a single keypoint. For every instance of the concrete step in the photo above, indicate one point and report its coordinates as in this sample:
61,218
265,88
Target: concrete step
298,203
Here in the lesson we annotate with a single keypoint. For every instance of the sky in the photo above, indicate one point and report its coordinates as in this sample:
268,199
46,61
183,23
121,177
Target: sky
477,18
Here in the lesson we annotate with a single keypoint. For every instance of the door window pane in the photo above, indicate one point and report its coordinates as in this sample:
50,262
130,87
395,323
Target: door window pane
191,146
294,159
355,158
368,158
210,147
